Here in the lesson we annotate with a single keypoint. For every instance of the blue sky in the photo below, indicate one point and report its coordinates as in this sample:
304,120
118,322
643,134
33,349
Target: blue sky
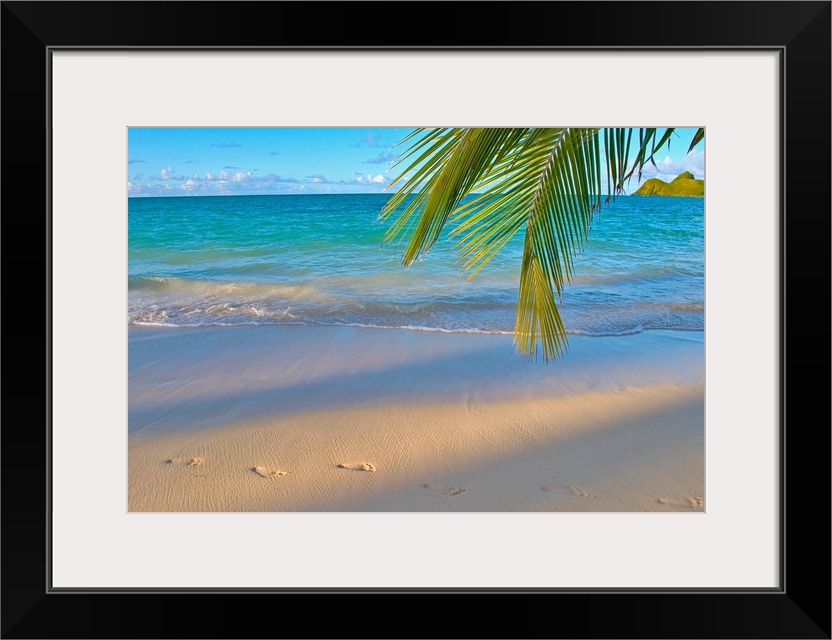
214,161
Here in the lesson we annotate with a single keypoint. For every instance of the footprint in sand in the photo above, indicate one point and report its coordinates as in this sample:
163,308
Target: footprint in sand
580,492
449,491
357,466
266,473
693,502
194,462
191,462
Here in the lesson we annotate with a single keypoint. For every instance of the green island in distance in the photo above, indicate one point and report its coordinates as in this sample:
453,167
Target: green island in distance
683,185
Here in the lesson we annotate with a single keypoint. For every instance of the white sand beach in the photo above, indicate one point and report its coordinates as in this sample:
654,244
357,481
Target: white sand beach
291,418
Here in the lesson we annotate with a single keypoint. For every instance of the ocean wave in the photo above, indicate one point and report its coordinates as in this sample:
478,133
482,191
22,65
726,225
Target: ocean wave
601,334
686,306
177,301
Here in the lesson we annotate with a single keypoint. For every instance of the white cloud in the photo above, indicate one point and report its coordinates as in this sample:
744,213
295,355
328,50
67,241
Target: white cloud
248,182
693,162
370,179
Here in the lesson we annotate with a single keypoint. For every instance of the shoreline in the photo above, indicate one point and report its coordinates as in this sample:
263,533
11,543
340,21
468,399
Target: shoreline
586,334
447,421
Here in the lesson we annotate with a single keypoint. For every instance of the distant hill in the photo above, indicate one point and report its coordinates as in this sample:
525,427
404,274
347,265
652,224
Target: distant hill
683,185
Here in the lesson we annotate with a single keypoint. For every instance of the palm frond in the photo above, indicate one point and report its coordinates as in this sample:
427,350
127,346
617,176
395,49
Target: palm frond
697,138
450,164
544,180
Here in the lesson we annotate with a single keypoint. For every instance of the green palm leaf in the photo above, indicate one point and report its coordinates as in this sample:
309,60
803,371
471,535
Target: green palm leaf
545,181
697,138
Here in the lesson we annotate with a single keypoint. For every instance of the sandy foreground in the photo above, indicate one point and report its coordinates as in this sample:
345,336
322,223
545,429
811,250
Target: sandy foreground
344,419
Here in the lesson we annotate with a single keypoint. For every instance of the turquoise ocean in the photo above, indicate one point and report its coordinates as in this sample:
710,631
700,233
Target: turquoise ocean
320,260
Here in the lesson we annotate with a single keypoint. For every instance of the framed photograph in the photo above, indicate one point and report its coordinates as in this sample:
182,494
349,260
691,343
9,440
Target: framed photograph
89,85
431,392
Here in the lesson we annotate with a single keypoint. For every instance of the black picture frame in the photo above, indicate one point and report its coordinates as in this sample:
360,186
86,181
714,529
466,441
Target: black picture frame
799,608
